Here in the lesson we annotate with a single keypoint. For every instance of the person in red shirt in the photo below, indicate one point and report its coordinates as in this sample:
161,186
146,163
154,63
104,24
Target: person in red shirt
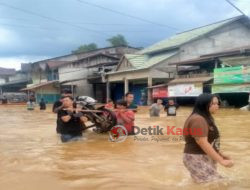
110,104
124,116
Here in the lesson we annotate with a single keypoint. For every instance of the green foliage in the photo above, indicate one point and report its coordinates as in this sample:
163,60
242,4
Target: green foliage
118,40
85,48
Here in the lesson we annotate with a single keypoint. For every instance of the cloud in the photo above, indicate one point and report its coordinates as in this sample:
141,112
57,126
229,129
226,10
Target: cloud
15,62
8,39
66,24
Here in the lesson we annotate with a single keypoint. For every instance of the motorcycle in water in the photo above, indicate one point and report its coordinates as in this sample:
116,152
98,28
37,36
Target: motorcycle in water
101,118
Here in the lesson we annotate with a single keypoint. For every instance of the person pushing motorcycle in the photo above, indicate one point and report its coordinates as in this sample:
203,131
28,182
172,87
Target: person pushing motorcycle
71,121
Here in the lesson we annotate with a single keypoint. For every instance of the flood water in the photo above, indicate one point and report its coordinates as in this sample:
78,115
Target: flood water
33,158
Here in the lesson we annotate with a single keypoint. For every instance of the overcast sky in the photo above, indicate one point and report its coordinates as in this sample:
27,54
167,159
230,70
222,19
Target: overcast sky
32,30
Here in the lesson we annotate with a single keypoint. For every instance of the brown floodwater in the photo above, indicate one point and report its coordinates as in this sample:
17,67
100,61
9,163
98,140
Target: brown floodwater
33,158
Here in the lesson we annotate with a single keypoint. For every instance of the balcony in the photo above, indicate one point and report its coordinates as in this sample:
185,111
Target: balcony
195,75
52,76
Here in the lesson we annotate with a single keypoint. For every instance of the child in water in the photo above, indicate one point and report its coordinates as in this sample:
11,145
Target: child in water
30,105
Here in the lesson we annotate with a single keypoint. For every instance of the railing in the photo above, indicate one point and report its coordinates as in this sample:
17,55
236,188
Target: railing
94,74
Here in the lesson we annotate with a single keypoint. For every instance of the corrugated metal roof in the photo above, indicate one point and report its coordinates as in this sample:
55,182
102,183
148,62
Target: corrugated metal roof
15,82
181,38
83,53
144,61
56,64
40,85
135,59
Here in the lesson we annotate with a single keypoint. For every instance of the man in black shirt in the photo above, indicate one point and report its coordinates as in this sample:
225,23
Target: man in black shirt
129,98
58,106
171,108
42,104
71,121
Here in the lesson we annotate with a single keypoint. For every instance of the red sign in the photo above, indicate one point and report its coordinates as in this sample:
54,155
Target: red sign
160,92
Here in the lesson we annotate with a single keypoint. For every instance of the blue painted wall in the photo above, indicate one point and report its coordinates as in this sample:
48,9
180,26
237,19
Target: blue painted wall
137,89
117,91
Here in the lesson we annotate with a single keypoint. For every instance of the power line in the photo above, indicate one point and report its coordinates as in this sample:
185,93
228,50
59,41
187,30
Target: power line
52,19
11,18
28,26
80,22
109,24
56,29
127,15
235,7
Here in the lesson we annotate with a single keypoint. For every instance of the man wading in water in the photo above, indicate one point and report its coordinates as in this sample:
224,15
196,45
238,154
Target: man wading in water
201,152
171,108
71,121
129,98
58,106
155,109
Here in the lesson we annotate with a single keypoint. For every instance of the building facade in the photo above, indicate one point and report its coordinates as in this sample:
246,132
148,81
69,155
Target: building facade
12,81
74,71
186,61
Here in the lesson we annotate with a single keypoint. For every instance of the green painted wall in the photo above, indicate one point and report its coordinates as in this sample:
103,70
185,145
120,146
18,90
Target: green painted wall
232,75
49,98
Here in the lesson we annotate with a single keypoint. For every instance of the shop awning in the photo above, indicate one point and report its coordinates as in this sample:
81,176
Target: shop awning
190,80
40,85
158,86
72,80
160,92
230,88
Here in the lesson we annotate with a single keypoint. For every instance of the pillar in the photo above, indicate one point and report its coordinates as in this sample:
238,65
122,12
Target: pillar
72,90
150,83
107,91
28,95
216,63
126,83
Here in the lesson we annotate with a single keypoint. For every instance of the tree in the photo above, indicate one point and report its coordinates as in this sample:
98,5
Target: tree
118,40
85,48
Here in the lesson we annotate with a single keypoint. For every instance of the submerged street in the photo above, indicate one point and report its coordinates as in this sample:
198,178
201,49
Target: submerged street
32,156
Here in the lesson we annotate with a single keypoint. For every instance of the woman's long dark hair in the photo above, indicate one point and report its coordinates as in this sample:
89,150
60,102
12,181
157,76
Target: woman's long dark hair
201,108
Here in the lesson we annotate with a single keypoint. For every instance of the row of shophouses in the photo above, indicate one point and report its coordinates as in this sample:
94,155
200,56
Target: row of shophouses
213,58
